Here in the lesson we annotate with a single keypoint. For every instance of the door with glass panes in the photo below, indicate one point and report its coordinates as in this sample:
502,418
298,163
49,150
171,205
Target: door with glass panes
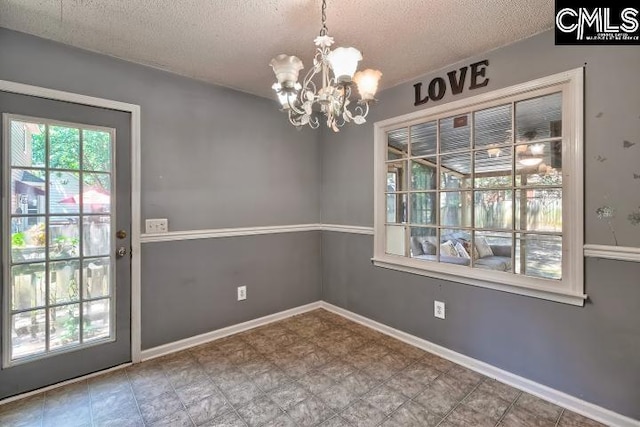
66,216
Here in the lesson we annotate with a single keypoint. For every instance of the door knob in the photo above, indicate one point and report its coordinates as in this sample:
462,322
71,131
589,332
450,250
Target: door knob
121,234
121,252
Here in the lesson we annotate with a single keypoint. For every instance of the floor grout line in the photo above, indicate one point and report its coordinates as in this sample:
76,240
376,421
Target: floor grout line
135,399
411,399
560,417
217,387
511,405
460,401
184,407
339,412
226,398
291,380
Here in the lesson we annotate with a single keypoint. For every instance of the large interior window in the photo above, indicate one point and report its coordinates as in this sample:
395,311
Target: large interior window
488,190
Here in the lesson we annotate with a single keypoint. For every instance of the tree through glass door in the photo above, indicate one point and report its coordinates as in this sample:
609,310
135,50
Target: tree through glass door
59,219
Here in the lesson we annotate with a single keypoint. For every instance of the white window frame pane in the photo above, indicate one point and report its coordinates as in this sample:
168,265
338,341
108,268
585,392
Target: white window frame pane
570,289
9,359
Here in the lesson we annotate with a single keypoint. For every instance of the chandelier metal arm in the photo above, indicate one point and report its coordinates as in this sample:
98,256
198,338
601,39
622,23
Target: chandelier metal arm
293,107
363,112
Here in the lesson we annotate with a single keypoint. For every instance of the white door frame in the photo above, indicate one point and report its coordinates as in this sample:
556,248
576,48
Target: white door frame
23,89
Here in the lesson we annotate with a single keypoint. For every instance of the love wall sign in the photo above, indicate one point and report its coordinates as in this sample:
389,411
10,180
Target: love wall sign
457,79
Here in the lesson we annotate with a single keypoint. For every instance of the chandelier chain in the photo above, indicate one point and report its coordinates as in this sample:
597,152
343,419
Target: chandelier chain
324,30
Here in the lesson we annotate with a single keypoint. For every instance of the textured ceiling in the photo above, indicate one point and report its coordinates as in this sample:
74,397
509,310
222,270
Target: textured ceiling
230,42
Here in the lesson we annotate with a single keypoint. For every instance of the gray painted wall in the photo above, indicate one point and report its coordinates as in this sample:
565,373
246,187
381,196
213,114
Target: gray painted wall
281,271
211,158
590,352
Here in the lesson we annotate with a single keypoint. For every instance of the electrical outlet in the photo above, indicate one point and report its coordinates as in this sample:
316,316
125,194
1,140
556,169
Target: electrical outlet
438,309
242,293
160,225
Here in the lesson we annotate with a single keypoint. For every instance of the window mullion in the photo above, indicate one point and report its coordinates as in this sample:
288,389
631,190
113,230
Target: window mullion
438,189
81,192
473,183
47,267
408,189
513,187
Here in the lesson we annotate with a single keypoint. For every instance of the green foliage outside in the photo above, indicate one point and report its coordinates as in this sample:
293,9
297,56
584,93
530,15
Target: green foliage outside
64,152
17,240
65,247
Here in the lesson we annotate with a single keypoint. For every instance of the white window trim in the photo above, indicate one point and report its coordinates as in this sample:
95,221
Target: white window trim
570,289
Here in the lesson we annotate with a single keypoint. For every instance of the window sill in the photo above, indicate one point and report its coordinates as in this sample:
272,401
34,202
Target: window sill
475,277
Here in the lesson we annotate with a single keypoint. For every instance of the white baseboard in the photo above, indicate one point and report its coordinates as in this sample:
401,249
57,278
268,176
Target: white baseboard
186,343
574,404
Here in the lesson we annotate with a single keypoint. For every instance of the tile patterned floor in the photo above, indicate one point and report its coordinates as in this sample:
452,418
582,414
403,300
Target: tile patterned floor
315,369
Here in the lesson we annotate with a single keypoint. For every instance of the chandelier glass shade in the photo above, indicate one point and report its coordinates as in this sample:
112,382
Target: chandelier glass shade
528,159
326,90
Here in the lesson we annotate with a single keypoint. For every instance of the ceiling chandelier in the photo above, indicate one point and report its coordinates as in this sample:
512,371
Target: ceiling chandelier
331,96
